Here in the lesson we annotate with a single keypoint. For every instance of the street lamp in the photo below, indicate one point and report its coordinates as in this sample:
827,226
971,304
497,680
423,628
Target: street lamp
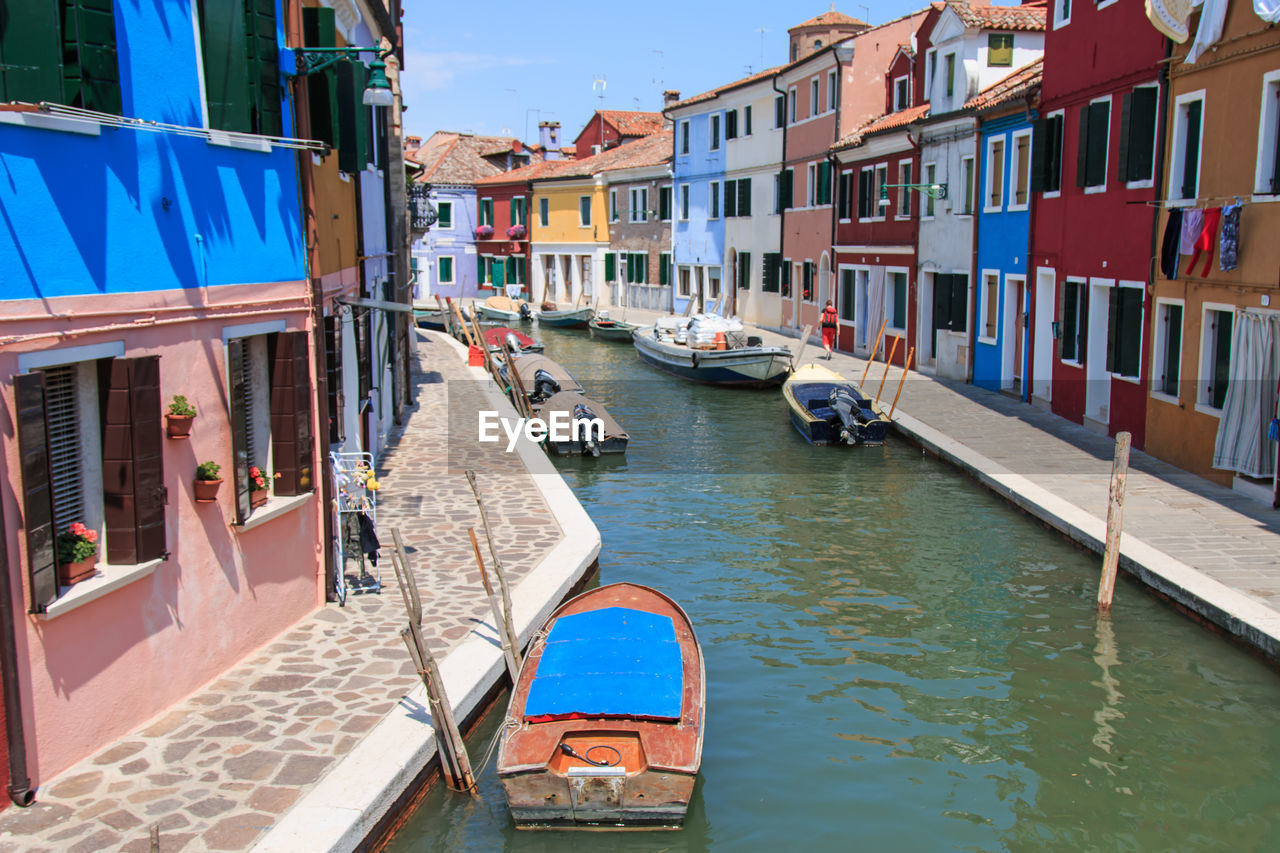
377,93
930,190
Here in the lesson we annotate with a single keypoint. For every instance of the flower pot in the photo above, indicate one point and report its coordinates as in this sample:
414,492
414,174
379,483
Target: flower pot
257,498
207,490
178,426
69,573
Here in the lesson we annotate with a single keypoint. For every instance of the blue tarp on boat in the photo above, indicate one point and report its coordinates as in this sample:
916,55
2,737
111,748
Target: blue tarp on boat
612,662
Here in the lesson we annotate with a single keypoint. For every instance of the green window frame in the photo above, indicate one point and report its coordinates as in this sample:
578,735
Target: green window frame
486,211
444,214
1000,50
242,64
60,51
444,272
517,211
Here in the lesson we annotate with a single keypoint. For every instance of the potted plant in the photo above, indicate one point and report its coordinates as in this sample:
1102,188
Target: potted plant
484,232
207,482
77,550
257,487
178,420
517,232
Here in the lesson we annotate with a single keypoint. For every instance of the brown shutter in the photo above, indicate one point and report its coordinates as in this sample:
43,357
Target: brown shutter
292,454
333,362
37,489
133,491
238,377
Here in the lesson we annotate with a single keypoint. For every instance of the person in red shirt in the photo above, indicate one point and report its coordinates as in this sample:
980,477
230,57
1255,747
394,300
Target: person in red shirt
828,328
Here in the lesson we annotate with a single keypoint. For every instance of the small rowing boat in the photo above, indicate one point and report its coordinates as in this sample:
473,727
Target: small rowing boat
610,330
828,409
505,309
605,723
495,337
567,318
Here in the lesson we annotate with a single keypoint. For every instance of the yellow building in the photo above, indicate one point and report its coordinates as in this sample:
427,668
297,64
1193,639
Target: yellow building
569,233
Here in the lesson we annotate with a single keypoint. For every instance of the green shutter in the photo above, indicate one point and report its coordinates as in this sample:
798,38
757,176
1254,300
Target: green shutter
1070,299
224,46
322,88
264,72
353,117
1191,161
1172,349
30,54
610,266
444,214
1222,357
744,196
664,268
90,74
1113,330
1142,133
499,272
1130,356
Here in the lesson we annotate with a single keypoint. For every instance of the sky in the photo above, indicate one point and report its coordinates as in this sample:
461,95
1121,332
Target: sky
501,67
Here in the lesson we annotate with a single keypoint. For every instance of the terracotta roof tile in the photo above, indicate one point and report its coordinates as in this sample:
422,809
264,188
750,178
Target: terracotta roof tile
983,16
711,94
1010,89
651,150
889,121
827,19
458,158
633,123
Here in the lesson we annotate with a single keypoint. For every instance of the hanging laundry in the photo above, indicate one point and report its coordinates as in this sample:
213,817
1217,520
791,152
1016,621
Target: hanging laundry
1213,15
1267,10
1230,249
369,543
1171,17
1207,240
1191,219
1169,249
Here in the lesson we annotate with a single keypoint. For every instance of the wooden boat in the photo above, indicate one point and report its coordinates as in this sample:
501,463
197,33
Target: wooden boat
504,309
606,718
567,318
494,336
569,416
428,315
828,409
610,330
542,377
750,366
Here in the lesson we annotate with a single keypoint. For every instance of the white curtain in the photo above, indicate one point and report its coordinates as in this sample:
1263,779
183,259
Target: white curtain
1267,10
1242,444
875,303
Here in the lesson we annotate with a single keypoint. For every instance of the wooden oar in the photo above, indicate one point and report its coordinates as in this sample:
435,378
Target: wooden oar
874,350
892,352
804,342
901,381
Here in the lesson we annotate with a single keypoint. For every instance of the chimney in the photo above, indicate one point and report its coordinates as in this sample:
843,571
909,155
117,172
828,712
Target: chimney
549,139
669,97
516,147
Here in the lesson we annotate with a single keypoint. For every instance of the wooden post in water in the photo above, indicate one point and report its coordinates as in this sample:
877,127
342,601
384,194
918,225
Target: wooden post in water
499,620
804,342
453,750
523,406
888,362
484,346
875,349
497,569
902,381
463,325
1115,520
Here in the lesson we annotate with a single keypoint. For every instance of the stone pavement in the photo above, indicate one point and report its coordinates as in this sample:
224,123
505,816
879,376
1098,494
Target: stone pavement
222,767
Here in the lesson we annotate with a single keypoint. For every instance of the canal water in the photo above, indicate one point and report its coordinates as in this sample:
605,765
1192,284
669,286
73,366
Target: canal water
896,659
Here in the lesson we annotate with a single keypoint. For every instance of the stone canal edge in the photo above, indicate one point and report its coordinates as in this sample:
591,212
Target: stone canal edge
349,803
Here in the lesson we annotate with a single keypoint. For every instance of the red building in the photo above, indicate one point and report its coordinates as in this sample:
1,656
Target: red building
610,128
503,205
1094,156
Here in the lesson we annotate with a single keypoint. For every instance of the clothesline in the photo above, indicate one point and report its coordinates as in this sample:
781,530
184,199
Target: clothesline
1183,203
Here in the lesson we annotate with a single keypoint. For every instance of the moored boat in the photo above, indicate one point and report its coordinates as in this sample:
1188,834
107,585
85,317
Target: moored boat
428,315
828,409
541,377
495,337
607,329
606,717
735,360
505,309
566,318
572,418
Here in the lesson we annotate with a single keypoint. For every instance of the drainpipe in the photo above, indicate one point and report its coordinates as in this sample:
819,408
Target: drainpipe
673,274
782,213
974,271
1032,282
835,180
15,736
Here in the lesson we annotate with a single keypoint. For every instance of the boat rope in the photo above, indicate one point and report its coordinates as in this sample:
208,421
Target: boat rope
509,726
570,751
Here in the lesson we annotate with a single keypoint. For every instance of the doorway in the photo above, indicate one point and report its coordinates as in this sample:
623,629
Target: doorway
1097,385
1011,348
1042,347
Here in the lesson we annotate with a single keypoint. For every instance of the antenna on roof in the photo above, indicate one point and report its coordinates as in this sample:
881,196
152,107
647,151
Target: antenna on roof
761,31
662,69
866,11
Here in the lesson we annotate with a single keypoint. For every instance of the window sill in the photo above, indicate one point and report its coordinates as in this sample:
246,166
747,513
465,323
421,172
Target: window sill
48,122
1051,194
1019,208
1144,184
272,509
108,579
1132,380
242,142
983,339
1263,198
1208,410
1100,188
1070,362
1165,398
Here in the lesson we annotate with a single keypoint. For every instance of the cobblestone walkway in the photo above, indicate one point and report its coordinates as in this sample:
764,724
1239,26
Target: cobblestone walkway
217,770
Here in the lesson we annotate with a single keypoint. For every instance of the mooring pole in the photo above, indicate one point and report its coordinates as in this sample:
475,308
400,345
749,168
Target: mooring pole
499,620
497,569
874,350
888,362
1115,520
911,353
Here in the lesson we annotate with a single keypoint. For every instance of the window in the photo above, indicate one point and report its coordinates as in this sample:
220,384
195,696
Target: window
772,279
1267,175
779,111
338,116
746,120
846,303
664,268
684,202
814,106
517,272
637,267
1061,13
610,266
844,200
1167,361
901,98
744,270
684,137
715,132
904,194
713,200
72,63
1124,330
882,178
682,288
1000,50
823,192
1215,356
731,124
1184,163
806,281
1091,156
584,210
951,302
744,196
930,178
241,70
785,187
966,182
990,308
930,71
949,69
444,270
896,299
517,211
639,204
544,211
444,214
613,206
1046,154
795,51
664,204
786,277
1138,135
811,184
866,199
1075,320
1020,171
333,372
831,90
994,195
713,282
486,211
737,197
791,100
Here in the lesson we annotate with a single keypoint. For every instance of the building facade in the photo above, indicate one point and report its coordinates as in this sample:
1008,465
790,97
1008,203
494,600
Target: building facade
637,264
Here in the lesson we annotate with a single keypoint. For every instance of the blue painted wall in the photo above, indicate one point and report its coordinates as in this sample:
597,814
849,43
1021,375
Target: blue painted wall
1002,246
130,211
700,240
453,242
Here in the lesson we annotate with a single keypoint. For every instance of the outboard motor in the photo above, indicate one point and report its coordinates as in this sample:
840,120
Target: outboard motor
513,343
544,385
589,444
526,313
848,409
